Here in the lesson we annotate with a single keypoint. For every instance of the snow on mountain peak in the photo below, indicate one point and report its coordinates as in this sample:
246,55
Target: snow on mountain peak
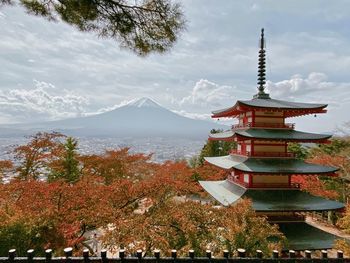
144,102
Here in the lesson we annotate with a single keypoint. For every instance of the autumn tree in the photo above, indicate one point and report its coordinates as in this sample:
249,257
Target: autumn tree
5,166
33,157
191,225
117,164
143,26
336,146
133,200
209,172
335,154
344,224
66,166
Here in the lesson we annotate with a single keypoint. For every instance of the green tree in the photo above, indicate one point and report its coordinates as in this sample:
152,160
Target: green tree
143,26
299,151
67,166
15,235
337,146
216,148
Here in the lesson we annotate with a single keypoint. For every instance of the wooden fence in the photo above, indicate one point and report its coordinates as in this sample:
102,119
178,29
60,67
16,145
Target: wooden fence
290,257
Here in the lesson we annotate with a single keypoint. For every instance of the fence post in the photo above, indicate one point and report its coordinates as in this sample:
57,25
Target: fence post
12,254
68,252
48,254
259,253
275,254
139,254
324,253
307,254
340,254
291,254
157,254
191,253
121,254
241,252
86,255
174,253
30,255
208,253
226,254
104,255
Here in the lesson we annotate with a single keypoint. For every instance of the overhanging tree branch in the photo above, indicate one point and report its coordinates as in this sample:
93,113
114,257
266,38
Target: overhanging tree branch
145,27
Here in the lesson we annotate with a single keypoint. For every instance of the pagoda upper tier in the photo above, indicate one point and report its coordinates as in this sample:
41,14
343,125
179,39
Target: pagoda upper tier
265,103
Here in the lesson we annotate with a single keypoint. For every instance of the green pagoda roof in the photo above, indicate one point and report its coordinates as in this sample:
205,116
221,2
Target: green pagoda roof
270,134
281,104
302,236
228,193
269,165
269,103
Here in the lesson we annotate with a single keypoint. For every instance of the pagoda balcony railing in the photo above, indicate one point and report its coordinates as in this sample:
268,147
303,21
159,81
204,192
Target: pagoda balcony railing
266,185
264,154
264,125
284,218
274,185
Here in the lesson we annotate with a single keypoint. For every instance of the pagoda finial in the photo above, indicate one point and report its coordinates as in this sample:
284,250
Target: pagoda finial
261,70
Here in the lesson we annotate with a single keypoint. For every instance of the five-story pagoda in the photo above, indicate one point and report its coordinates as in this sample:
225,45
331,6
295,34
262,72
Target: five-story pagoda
261,167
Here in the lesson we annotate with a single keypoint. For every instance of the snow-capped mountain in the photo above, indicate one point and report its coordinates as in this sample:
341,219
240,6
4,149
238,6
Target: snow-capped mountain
144,103
139,118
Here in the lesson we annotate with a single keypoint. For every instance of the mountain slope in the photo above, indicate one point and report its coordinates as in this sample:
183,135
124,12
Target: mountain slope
140,118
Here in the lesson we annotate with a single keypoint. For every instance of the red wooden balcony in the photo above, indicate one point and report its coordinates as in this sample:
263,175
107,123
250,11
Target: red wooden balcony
264,125
264,154
286,218
273,185
266,185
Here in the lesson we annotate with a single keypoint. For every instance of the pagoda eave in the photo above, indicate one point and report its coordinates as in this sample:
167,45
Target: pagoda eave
268,165
268,134
302,236
288,110
229,139
290,200
243,138
293,113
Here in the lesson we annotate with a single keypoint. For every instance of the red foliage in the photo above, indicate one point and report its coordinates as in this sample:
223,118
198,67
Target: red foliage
314,185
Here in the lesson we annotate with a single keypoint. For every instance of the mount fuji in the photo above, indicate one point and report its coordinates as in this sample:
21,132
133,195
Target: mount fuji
139,118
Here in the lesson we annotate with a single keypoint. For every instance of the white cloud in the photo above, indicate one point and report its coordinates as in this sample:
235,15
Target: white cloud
206,93
40,103
297,86
197,116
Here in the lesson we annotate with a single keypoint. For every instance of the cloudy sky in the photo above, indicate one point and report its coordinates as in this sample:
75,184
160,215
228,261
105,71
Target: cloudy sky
51,71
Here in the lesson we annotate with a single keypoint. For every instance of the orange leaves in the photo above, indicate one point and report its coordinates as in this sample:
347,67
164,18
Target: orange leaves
210,172
330,160
5,165
185,225
315,186
132,201
176,177
117,164
34,156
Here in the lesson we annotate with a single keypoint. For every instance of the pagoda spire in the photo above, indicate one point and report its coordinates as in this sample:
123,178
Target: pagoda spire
262,70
